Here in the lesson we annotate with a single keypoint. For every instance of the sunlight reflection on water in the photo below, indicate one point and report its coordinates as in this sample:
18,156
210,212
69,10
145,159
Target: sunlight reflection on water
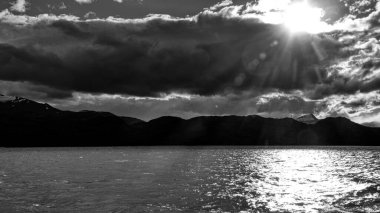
206,179
303,180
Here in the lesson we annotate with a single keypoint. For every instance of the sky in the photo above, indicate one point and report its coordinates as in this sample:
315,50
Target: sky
187,58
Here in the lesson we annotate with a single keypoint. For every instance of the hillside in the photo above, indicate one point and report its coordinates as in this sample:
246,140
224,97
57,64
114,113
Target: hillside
25,122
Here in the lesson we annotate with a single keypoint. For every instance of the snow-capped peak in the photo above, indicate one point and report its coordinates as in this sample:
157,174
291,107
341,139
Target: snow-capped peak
308,119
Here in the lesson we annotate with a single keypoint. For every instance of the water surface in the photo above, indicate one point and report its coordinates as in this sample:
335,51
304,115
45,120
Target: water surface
175,179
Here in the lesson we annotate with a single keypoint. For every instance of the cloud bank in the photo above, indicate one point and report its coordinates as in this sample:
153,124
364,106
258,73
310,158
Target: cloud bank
226,56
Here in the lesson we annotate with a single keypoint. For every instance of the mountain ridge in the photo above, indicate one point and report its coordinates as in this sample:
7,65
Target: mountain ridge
25,122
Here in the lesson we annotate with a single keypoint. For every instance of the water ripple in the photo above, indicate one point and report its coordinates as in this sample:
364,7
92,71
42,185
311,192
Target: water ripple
190,180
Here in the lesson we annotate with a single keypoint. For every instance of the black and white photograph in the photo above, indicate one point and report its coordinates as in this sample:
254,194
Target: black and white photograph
209,106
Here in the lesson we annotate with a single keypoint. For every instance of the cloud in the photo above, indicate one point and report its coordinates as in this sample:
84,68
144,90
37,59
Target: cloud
221,4
35,92
226,59
90,15
356,68
357,106
361,107
62,6
209,54
85,1
70,29
19,6
286,105
147,108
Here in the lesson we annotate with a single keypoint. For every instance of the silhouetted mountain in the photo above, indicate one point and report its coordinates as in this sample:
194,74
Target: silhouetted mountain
27,123
9,104
131,121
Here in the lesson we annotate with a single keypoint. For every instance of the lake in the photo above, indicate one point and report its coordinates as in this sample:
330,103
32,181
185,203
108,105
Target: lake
190,179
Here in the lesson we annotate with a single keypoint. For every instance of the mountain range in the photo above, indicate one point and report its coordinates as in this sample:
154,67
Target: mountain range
26,123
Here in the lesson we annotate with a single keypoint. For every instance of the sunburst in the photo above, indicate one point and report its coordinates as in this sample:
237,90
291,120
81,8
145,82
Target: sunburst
301,17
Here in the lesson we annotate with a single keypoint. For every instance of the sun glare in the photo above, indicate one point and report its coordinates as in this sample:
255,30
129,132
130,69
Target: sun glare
301,17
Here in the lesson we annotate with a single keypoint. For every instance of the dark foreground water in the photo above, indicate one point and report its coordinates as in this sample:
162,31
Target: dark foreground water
174,179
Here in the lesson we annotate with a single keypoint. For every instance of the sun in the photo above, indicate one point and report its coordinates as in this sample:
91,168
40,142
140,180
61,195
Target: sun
301,17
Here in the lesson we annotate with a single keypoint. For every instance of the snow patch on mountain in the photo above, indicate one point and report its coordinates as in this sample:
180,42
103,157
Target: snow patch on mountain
307,119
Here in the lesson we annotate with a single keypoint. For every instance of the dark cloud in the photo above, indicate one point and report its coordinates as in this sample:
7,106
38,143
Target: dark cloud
126,9
28,64
334,9
32,91
207,55
70,29
225,58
